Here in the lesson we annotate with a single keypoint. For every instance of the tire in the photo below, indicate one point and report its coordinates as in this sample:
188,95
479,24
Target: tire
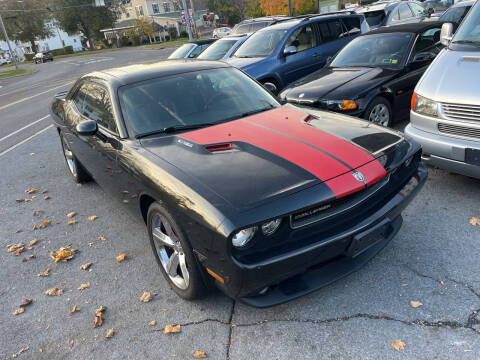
269,83
78,172
187,280
379,112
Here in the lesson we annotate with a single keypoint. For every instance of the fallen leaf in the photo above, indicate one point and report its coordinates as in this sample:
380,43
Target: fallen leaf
19,311
102,238
32,256
200,354
64,253
13,247
146,297
93,217
101,309
33,242
44,191
442,283
83,286
46,197
54,292
415,304
22,200
21,351
24,259
98,319
44,273
31,191
152,323
18,231
32,153
341,331
134,196
398,345
75,308
474,221
19,251
26,302
121,257
71,222
109,333
125,192
72,214
172,329
38,212
125,201
463,336
85,266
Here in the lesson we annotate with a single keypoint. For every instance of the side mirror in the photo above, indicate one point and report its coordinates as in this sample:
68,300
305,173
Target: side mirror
270,87
289,50
430,11
422,57
87,128
446,34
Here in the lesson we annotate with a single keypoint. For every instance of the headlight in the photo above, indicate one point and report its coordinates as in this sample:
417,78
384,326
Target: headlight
242,237
424,106
270,227
341,104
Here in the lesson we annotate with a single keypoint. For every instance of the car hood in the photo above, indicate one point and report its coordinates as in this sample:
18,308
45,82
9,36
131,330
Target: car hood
336,83
449,78
260,158
243,63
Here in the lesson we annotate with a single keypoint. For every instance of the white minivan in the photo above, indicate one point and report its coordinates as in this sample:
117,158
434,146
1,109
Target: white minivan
445,111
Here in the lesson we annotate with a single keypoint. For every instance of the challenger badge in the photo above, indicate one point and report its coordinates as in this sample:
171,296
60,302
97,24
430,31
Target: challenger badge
359,176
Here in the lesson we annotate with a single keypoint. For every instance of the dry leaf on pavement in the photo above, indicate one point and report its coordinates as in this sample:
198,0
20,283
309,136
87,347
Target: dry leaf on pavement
54,292
109,333
44,273
475,221
200,354
93,217
71,222
33,242
19,311
121,257
125,201
25,348
85,266
31,191
398,345
98,319
83,286
13,247
101,309
38,212
19,251
152,323
102,238
46,197
146,296
125,192
64,253
75,308
72,214
26,302
172,329
415,304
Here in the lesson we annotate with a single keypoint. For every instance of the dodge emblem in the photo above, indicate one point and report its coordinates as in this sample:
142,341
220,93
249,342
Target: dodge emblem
359,176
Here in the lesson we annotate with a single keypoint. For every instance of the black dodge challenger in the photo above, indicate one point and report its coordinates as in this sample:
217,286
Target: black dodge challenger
266,201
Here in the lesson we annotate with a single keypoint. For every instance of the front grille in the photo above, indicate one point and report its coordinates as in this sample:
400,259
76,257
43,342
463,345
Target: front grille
461,112
459,130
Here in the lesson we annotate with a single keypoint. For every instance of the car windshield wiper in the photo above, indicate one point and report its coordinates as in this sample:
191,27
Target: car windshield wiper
467,42
172,129
243,56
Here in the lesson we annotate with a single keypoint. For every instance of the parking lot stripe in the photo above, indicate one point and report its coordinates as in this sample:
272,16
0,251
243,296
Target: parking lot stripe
23,128
24,141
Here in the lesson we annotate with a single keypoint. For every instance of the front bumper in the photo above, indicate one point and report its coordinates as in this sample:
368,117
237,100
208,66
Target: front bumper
307,269
446,152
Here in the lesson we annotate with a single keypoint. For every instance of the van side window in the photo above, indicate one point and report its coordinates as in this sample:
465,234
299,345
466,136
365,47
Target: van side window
302,38
352,26
330,30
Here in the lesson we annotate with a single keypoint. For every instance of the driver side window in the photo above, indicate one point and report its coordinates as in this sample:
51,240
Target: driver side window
97,106
302,38
428,43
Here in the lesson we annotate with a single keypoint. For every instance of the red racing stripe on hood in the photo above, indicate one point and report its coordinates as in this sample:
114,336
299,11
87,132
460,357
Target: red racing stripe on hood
312,160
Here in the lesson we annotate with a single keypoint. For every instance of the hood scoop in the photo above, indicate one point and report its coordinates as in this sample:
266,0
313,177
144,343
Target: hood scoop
474,59
218,147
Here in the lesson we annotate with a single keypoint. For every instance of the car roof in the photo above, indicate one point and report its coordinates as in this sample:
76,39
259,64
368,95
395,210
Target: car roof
202,42
379,5
291,22
264,18
139,72
464,3
407,28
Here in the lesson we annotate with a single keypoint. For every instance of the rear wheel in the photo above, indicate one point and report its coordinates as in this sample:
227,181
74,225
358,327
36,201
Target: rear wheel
76,169
174,254
379,112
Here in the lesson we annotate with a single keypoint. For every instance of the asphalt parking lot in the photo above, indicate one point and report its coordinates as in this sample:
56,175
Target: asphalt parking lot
433,260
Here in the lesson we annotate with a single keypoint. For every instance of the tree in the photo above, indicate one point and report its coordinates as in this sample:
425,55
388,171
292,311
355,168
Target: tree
280,7
27,26
144,27
229,11
88,19
254,9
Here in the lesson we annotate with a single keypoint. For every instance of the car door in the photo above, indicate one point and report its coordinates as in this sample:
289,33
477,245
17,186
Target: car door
97,153
304,60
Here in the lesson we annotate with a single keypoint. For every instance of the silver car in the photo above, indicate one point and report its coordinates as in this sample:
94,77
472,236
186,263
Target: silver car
445,115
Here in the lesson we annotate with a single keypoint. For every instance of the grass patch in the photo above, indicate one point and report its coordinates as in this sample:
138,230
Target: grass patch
9,73
166,44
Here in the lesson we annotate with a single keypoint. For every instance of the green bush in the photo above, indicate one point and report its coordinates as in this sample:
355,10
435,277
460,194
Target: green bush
172,32
183,34
61,51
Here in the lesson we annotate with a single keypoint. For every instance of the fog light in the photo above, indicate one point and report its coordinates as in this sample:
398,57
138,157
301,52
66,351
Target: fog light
241,238
270,227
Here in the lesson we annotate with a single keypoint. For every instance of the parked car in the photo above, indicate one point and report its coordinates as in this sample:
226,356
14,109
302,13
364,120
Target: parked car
436,8
266,201
192,49
221,32
5,61
445,115
251,25
374,75
223,48
457,12
42,57
388,13
284,52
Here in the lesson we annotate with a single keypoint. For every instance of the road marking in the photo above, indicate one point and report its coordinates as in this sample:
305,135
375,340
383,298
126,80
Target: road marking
23,128
24,141
34,96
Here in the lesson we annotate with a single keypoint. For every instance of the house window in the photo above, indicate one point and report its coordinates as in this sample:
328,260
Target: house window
166,7
155,8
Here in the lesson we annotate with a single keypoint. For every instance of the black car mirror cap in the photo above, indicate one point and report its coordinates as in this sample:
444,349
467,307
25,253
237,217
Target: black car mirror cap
289,50
422,57
87,128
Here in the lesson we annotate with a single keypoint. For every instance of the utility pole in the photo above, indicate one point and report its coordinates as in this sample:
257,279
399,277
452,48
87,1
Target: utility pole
195,30
187,19
289,7
12,55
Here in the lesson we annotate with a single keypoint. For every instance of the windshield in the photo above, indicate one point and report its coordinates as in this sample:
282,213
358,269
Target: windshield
182,51
190,99
374,18
217,50
469,32
374,50
455,14
437,5
261,44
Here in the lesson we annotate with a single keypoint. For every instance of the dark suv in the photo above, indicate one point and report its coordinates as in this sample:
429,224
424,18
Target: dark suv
387,13
252,25
290,49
